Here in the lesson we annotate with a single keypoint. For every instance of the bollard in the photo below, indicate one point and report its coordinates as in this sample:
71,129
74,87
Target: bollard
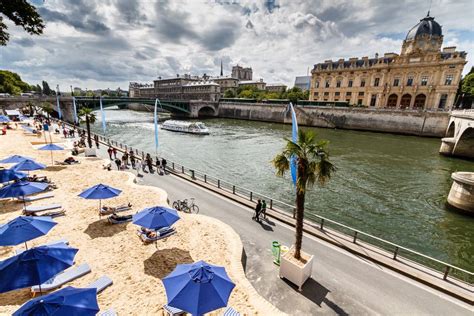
355,238
294,212
395,253
205,178
172,165
182,169
271,204
233,189
251,196
446,272
322,224
218,183
192,175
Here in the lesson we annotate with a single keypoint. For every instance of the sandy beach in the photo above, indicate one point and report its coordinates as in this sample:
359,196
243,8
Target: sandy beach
115,250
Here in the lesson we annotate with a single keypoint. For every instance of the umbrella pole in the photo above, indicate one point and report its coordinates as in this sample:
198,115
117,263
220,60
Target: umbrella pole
52,163
26,246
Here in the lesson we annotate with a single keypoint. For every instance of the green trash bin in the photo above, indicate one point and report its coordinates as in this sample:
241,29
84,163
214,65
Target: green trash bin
276,248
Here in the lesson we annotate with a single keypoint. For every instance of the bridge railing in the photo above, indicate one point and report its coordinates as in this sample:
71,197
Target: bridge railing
393,250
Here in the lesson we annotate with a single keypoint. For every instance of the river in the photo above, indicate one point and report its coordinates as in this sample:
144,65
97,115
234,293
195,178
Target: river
390,186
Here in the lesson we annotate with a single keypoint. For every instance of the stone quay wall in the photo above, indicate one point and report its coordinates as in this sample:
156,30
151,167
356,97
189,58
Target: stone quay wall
419,123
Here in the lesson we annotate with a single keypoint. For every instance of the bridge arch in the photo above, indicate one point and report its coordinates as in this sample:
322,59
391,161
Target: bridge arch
206,111
465,145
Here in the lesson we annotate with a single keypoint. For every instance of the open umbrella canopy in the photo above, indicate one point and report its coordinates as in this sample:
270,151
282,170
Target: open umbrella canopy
28,165
100,192
198,288
4,119
22,188
67,301
35,266
7,175
51,147
156,217
27,128
14,159
24,228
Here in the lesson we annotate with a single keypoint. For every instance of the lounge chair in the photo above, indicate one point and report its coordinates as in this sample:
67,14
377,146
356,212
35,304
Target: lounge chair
52,243
173,311
101,284
35,197
119,219
62,278
53,214
160,234
108,210
109,312
229,311
40,208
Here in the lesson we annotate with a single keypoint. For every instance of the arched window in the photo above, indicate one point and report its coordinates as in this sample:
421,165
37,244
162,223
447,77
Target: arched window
405,101
420,101
392,100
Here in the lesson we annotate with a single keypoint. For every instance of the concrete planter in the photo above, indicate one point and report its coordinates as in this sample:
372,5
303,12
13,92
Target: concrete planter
294,273
90,152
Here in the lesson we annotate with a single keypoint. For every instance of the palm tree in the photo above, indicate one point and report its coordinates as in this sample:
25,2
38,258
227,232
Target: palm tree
312,165
86,115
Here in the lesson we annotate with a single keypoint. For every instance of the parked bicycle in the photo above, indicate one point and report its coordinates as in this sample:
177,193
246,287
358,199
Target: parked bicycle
183,205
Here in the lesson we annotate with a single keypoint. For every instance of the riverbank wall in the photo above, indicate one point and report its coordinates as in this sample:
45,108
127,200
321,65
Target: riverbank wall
419,123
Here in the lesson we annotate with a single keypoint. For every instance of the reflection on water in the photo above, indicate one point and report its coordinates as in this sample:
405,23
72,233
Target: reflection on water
391,186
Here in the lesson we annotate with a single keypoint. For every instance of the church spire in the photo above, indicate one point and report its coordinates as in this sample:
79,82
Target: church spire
222,69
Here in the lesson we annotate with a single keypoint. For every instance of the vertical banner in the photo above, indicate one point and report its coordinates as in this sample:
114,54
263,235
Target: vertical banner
102,115
294,138
60,115
156,123
75,110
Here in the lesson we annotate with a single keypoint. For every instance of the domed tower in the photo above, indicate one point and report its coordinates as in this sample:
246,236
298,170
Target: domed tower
424,37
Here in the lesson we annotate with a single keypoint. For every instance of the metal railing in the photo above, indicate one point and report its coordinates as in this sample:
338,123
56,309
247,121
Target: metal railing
395,251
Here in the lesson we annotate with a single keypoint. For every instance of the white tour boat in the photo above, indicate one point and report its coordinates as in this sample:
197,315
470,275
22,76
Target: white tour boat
185,127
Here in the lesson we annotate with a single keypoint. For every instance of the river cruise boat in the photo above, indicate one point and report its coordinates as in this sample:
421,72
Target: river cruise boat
185,127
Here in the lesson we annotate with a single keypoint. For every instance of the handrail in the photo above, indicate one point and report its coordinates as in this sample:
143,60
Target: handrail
252,195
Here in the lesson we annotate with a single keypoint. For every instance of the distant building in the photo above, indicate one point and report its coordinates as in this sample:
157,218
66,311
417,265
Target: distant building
242,73
260,85
275,87
422,77
226,83
303,82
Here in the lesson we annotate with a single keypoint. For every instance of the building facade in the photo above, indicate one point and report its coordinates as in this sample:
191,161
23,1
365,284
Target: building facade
259,85
241,73
423,76
275,87
226,83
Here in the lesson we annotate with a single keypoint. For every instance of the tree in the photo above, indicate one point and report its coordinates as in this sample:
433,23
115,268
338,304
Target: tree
47,108
38,89
86,115
312,164
11,83
229,93
46,89
22,14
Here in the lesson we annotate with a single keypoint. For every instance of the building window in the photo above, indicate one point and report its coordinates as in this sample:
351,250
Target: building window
396,82
424,80
326,93
410,81
337,93
442,101
361,93
316,84
349,84
327,83
338,83
362,83
376,82
348,94
373,99
359,102
449,80
316,94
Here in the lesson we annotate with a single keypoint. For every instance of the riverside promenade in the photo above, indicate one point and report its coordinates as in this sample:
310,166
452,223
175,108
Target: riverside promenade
342,283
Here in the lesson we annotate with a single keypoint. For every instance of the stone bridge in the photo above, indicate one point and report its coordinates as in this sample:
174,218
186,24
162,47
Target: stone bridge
459,140
178,108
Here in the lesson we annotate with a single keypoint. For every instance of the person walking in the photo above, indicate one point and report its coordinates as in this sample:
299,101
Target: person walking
65,133
96,139
110,151
118,163
149,163
132,159
264,209
163,164
125,159
114,151
138,166
258,207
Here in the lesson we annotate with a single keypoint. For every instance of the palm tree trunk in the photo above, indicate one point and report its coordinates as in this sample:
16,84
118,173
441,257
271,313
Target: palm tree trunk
89,140
300,195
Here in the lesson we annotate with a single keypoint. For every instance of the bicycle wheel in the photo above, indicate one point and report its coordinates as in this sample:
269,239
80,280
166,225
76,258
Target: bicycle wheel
195,209
176,205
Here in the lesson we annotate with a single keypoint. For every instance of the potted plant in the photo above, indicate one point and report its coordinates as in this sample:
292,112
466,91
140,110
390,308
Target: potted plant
312,164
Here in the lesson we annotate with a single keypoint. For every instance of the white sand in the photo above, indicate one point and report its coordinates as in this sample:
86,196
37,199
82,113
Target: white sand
115,250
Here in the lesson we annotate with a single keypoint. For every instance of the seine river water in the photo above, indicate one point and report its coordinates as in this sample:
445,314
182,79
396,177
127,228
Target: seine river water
390,186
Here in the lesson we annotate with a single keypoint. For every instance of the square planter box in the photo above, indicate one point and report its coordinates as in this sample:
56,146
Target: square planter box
295,273
90,152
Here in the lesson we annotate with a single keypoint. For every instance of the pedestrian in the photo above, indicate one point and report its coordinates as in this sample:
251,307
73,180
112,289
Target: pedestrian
73,133
138,166
96,139
125,159
149,163
114,151
264,209
110,151
163,164
258,207
65,133
118,163
132,159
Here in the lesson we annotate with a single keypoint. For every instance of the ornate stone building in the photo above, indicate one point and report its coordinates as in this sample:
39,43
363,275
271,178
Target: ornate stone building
241,73
422,77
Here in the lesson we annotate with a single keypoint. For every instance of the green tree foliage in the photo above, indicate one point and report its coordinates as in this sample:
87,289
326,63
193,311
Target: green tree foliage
468,83
87,115
46,89
251,92
22,14
229,93
11,83
313,166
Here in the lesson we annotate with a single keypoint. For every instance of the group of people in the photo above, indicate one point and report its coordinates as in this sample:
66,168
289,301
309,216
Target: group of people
129,158
260,209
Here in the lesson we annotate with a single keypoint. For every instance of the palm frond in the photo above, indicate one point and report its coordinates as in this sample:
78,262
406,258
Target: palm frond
281,164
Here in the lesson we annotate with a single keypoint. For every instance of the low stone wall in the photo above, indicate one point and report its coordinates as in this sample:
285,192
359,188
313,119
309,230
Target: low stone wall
432,124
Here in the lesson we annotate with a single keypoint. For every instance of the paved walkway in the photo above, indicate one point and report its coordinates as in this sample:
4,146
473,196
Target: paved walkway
341,284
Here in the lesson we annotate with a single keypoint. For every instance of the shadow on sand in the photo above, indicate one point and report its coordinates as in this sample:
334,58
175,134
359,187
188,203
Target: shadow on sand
163,261
102,228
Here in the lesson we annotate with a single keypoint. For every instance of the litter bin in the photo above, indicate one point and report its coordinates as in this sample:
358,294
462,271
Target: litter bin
276,252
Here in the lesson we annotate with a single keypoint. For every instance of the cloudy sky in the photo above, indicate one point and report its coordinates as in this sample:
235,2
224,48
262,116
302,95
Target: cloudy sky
107,43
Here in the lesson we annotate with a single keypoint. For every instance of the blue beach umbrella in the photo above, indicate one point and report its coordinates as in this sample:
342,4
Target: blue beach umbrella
156,217
24,228
198,288
22,188
67,301
7,175
27,128
4,119
51,147
28,165
15,159
35,266
100,192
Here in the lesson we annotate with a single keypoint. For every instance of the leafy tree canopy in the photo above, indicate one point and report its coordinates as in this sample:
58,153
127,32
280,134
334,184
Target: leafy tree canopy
251,92
11,83
22,14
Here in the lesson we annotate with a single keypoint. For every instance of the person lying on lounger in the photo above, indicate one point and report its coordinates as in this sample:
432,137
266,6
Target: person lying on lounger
114,208
35,178
116,217
70,160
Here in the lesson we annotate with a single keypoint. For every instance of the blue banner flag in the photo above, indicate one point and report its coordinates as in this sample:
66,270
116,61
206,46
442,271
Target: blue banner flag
75,110
102,114
156,123
60,115
294,138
